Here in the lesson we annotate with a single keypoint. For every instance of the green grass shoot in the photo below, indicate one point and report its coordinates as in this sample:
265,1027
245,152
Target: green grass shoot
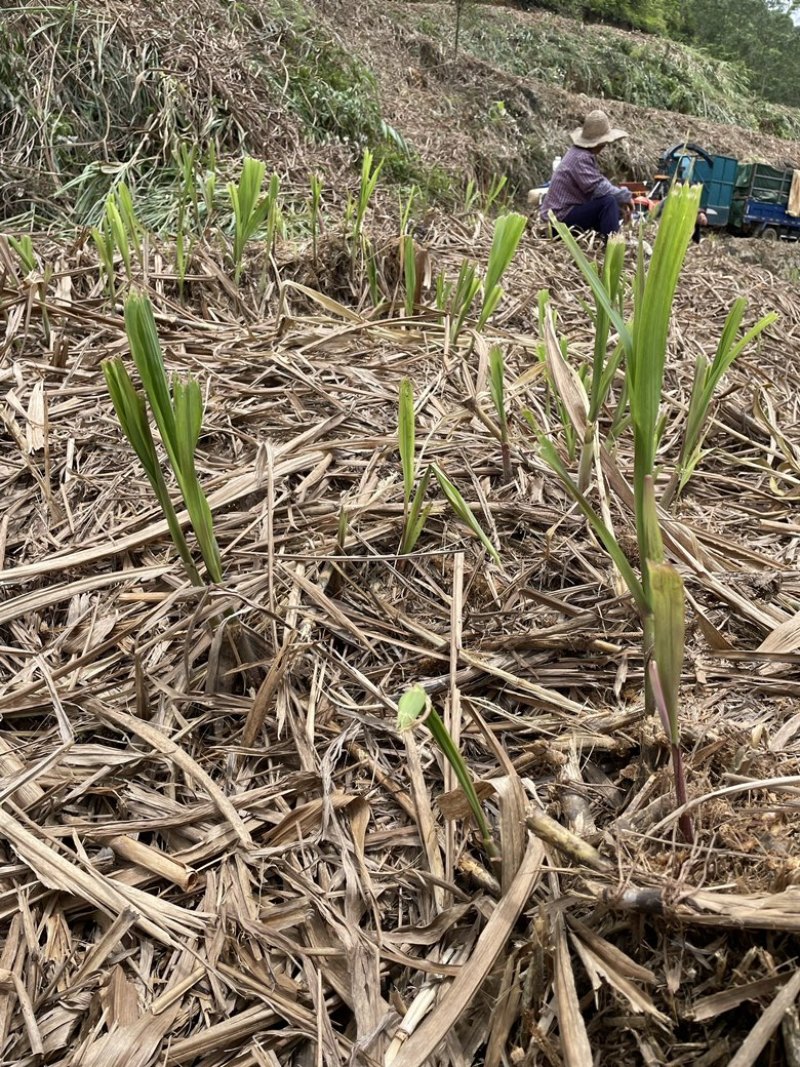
415,511
603,370
408,254
495,191
23,246
251,210
370,173
415,708
373,272
606,537
178,415
131,412
471,195
133,228
669,639
463,511
463,296
406,208
645,341
316,217
416,516
707,376
106,252
508,231
406,431
498,391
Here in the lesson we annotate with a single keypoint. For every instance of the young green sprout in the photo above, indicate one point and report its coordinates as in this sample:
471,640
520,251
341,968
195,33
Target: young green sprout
118,231
179,416
463,296
208,186
665,670
415,708
470,195
369,179
104,243
603,371
408,255
508,231
405,209
251,210
316,202
643,342
132,414
133,227
496,187
497,389
415,512
442,291
23,246
373,275
188,198
707,377
406,437
463,511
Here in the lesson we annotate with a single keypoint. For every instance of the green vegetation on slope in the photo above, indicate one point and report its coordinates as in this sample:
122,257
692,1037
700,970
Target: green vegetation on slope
601,61
759,35
655,16
89,100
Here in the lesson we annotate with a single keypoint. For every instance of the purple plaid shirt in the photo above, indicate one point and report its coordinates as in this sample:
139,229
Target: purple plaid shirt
576,180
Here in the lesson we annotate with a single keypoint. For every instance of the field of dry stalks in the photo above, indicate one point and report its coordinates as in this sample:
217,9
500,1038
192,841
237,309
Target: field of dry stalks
216,848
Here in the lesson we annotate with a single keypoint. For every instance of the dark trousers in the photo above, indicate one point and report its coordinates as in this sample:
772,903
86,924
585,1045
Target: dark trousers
600,215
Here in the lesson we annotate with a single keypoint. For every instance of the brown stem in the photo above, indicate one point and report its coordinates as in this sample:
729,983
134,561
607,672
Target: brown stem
671,491
506,453
681,795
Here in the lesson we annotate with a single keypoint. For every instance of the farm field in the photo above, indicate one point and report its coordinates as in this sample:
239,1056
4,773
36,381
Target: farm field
401,472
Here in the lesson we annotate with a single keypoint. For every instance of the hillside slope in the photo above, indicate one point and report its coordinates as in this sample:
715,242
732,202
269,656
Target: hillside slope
603,61
111,91
449,108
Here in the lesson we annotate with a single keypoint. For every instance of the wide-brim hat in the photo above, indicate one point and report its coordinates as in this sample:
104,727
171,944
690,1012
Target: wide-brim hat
596,130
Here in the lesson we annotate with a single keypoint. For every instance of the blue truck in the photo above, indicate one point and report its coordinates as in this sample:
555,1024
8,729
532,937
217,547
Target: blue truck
745,198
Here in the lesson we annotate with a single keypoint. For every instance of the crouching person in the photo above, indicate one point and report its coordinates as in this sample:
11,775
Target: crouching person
579,195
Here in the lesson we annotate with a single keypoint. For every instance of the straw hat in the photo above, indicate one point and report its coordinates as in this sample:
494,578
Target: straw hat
596,130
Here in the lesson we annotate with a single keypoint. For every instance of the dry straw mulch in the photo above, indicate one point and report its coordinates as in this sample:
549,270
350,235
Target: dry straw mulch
212,862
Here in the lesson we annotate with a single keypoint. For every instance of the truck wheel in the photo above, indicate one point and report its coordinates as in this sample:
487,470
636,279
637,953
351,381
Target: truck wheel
770,233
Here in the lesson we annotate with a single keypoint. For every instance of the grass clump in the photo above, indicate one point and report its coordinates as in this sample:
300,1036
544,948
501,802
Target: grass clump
251,210
178,414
